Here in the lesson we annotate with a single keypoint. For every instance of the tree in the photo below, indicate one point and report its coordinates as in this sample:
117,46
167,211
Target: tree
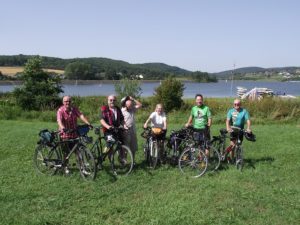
169,93
40,90
203,77
79,71
127,87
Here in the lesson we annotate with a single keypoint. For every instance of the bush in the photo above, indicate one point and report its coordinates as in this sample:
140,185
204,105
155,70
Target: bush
169,93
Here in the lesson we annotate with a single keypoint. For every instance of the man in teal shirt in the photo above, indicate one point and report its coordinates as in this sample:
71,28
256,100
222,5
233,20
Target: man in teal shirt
200,118
236,116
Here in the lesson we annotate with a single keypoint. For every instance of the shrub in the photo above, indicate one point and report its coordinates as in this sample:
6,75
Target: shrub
170,93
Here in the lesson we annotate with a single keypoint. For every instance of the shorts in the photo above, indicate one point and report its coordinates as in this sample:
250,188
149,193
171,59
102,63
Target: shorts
236,135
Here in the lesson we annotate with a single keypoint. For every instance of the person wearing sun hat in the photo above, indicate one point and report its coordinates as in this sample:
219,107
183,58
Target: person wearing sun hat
129,108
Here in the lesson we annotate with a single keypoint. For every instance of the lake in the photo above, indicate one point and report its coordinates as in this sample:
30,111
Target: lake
220,89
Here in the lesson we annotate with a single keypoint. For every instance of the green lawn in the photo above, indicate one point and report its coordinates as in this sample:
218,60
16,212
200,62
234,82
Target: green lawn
266,192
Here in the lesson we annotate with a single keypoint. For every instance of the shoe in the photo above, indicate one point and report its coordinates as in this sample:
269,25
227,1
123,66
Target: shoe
67,171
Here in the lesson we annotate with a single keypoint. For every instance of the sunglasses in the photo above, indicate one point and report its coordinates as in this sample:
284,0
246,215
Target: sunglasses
67,101
237,104
112,100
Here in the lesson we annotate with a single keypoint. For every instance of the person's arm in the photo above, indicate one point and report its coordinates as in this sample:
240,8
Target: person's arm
85,120
228,127
165,124
146,123
104,124
137,103
59,120
209,122
248,126
189,122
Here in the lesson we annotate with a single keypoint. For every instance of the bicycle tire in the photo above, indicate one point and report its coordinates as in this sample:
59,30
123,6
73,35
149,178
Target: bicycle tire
46,160
95,150
192,162
122,160
86,163
147,153
239,162
153,157
214,159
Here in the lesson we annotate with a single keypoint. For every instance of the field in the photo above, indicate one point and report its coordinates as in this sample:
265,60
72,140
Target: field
266,192
12,71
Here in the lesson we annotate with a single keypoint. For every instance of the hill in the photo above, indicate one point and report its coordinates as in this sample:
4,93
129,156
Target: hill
255,73
100,66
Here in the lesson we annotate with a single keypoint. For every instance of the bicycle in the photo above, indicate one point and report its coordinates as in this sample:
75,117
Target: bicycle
219,142
154,149
176,143
120,156
49,158
193,160
237,150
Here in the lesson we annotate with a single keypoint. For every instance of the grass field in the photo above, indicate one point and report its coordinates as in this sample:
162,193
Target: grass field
266,192
11,71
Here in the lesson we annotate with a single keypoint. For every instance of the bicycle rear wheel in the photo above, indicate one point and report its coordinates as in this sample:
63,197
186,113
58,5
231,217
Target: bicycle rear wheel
192,162
122,160
214,159
46,159
86,163
239,158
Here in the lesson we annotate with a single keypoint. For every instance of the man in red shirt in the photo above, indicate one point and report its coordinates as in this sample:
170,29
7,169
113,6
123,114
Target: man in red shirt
67,119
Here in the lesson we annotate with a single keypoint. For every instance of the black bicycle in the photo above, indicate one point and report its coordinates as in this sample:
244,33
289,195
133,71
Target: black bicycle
199,155
179,139
119,155
154,147
49,155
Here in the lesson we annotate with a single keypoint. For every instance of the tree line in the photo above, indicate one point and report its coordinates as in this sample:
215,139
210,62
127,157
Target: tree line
107,69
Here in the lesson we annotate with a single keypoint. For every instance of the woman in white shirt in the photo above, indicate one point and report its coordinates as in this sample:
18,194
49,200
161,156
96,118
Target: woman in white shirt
158,118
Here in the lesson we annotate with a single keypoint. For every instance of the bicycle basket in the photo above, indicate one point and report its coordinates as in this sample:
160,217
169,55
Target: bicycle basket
46,136
156,130
83,130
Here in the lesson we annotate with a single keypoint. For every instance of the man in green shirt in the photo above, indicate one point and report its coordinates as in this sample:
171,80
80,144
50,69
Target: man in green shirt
200,118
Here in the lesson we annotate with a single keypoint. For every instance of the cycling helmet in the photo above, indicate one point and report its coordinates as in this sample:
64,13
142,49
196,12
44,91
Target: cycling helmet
250,136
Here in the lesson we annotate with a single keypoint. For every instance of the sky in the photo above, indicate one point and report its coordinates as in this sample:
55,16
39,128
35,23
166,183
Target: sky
197,35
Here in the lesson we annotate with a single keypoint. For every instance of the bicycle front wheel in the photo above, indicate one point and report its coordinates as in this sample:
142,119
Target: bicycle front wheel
122,160
239,162
153,156
192,162
86,163
46,160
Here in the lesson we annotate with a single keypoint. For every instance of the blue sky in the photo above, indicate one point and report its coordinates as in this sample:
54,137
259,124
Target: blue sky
209,36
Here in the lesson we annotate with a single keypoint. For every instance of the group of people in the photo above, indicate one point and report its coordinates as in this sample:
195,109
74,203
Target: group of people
112,116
